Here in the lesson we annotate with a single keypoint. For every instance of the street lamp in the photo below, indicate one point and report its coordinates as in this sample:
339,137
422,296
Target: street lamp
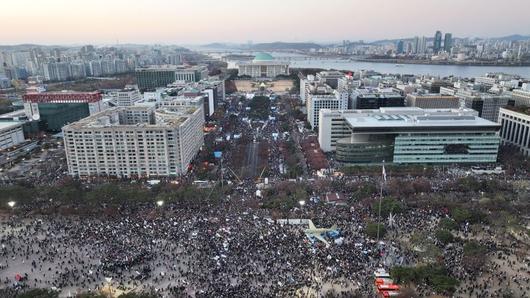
160,203
11,204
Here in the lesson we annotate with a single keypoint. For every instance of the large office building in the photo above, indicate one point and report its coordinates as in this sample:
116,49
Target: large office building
433,101
190,74
375,99
321,96
135,141
126,97
409,135
153,77
487,105
55,109
515,128
521,97
330,77
263,66
11,134
213,92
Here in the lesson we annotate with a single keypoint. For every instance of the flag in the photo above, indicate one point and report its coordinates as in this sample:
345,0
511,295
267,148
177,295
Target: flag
384,173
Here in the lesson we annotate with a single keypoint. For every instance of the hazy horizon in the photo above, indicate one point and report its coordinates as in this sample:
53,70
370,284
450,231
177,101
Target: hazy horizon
72,22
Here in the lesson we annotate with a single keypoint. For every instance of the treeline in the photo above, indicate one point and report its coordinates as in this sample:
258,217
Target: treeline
47,293
76,194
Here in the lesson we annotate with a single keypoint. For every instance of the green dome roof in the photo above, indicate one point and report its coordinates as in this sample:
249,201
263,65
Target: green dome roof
263,57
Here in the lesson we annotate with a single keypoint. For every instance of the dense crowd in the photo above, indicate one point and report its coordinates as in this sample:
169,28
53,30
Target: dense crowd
226,252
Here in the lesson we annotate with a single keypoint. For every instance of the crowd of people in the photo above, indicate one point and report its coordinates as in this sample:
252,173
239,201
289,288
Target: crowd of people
227,251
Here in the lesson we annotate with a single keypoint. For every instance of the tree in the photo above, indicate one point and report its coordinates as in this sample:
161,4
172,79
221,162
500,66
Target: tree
371,230
447,224
443,283
139,295
460,215
39,293
260,107
433,275
90,295
444,236
388,205
404,275
474,256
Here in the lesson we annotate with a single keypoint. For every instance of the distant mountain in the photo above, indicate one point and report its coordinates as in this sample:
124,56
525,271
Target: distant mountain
270,46
513,37
284,46
220,45
26,46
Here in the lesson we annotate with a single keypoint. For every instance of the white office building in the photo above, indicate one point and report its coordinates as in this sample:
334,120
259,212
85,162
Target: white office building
521,97
515,128
263,66
11,134
126,97
135,141
322,96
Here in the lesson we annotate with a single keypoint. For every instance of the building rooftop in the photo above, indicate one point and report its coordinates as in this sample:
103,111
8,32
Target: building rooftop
171,67
115,117
4,125
415,117
263,57
520,109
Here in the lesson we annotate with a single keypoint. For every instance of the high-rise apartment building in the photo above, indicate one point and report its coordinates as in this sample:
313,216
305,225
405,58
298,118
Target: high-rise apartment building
135,141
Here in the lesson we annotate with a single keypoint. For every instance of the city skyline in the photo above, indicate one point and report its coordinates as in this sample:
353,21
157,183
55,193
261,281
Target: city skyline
166,22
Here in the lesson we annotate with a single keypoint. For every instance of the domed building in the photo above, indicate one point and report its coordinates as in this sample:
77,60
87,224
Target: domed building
263,66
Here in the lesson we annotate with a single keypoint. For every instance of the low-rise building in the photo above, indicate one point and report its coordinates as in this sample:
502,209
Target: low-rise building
487,105
263,66
521,97
433,101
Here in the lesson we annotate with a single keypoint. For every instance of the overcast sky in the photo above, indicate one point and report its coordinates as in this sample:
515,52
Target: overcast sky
204,21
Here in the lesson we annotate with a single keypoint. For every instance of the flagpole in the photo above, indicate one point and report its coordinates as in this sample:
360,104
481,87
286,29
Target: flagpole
221,171
383,174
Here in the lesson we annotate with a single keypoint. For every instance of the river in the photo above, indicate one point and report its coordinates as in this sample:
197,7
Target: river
418,69
298,61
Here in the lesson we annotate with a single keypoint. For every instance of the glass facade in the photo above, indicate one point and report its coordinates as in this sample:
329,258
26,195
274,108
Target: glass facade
349,152
446,148
54,116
